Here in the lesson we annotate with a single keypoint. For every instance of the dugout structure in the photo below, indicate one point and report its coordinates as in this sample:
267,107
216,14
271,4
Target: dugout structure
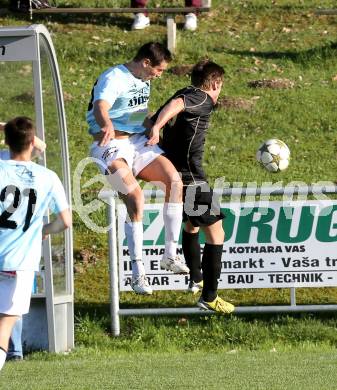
301,233
30,85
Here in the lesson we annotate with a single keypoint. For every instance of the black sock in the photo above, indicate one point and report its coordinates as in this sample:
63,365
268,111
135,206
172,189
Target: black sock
211,268
191,250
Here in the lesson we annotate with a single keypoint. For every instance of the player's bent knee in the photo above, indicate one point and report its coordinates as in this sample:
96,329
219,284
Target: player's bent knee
174,186
136,198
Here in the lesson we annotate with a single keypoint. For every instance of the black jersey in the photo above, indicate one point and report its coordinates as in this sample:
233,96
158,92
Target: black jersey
184,135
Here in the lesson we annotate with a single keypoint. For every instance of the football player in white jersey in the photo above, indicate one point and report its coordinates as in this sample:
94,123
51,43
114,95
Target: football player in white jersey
26,191
117,109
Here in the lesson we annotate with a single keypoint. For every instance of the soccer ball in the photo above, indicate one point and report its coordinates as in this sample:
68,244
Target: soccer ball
274,155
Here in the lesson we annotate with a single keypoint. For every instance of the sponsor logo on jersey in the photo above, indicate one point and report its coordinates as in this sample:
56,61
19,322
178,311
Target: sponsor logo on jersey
137,101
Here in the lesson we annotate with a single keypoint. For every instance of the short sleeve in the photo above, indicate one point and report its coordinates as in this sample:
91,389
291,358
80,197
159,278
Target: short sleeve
196,102
107,88
58,199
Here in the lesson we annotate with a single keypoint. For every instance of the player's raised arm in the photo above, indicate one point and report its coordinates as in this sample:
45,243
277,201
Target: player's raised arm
173,108
39,145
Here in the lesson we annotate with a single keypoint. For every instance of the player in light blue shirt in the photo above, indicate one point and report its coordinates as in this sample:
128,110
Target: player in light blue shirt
128,97
116,111
27,190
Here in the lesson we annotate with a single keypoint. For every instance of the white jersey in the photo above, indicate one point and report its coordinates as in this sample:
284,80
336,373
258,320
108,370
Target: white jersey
128,97
26,191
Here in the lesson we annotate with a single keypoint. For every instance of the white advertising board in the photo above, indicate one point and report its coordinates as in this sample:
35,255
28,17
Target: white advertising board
268,245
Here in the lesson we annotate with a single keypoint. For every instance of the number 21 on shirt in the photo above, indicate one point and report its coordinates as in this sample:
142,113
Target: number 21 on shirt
5,221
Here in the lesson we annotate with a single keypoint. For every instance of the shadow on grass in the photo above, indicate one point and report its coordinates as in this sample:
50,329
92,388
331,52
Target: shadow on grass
121,21
95,310
92,310
302,57
196,332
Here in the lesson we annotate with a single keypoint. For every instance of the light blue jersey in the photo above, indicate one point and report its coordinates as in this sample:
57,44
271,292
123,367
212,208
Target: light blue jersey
4,154
26,191
128,97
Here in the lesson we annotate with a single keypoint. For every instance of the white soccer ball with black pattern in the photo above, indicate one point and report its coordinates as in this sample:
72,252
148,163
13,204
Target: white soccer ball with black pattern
274,155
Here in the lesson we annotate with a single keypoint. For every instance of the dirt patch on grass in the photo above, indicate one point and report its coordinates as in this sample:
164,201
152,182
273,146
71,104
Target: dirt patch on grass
254,69
67,97
181,70
278,83
26,97
83,259
237,103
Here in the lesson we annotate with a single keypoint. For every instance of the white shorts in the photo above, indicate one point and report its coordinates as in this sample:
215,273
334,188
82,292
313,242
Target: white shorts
131,149
15,293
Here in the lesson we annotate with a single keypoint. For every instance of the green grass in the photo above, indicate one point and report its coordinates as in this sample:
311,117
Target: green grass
231,370
208,333
253,40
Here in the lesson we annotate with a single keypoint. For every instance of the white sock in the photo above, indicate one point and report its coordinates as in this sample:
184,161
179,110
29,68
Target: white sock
137,268
3,356
134,237
173,216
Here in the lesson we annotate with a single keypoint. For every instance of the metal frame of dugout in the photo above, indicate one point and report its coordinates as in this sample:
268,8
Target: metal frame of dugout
116,312
28,53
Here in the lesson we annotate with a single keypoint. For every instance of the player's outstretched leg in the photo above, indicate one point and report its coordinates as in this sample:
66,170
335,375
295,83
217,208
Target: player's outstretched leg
162,173
122,180
134,236
211,267
172,215
191,250
6,325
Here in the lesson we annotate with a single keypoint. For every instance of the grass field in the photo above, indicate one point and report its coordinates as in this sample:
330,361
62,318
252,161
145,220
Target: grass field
233,371
253,40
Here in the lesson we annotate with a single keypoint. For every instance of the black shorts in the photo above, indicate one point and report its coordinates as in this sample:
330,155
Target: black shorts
201,205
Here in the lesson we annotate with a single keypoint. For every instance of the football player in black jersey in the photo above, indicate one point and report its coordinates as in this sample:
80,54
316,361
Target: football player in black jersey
185,120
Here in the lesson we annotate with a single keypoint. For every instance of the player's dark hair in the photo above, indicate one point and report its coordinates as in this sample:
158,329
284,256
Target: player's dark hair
155,52
19,134
205,72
